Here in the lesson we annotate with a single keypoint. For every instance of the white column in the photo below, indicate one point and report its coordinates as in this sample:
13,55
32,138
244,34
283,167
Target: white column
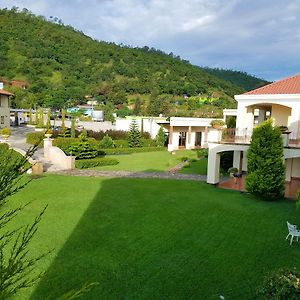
245,161
241,116
288,169
236,159
294,122
47,146
261,115
170,144
213,167
249,119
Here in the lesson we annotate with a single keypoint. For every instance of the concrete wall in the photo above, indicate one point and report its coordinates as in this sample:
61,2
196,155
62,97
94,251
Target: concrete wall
4,111
95,126
281,115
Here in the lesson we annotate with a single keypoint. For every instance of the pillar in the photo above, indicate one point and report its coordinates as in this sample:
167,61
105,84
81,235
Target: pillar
288,169
261,115
170,144
236,159
189,137
213,168
47,146
294,122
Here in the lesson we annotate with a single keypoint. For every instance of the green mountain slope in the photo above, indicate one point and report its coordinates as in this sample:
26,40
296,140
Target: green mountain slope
62,66
238,78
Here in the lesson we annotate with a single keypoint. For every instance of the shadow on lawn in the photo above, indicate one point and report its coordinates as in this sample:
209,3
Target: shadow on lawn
118,242
143,239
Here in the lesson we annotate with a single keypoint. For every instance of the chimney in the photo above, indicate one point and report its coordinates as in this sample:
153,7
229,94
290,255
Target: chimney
1,85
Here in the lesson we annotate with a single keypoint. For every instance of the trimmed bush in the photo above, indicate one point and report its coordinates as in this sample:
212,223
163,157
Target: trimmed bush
106,143
5,131
114,134
283,284
266,169
35,138
117,151
95,162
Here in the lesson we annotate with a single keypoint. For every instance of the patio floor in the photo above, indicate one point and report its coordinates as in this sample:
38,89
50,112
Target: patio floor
238,184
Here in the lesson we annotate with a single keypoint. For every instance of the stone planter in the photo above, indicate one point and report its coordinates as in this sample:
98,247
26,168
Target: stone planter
48,135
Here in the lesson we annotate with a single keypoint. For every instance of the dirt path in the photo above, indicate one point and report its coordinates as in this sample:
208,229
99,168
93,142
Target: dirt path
95,173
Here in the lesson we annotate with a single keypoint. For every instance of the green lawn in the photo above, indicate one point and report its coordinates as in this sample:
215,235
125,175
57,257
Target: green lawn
195,167
159,161
155,239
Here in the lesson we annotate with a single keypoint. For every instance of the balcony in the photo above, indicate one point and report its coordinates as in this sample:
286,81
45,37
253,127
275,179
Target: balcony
243,136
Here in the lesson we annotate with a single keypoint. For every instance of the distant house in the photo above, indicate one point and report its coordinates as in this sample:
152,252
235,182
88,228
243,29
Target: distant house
281,102
4,108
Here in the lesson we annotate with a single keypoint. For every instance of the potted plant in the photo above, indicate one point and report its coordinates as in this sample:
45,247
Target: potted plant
283,128
217,124
5,132
232,171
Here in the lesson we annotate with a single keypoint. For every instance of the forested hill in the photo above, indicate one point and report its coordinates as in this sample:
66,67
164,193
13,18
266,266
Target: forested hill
61,66
238,78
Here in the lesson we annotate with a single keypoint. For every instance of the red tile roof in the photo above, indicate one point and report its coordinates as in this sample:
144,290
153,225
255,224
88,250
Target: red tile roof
3,92
290,85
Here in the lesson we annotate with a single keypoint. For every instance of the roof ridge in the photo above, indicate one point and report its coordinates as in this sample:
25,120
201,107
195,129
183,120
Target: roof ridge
270,85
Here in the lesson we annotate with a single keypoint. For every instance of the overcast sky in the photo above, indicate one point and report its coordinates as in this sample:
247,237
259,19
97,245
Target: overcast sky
261,37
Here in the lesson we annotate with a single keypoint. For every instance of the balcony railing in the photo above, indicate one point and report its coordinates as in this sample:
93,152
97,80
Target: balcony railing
243,136
236,136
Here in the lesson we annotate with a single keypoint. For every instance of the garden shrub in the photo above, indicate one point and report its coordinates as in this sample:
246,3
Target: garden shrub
202,153
265,165
184,159
106,143
65,144
34,138
146,135
283,284
149,143
117,151
83,150
121,144
95,162
114,134
5,131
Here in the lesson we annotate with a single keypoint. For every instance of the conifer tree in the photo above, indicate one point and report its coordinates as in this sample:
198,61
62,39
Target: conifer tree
134,136
160,137
265,165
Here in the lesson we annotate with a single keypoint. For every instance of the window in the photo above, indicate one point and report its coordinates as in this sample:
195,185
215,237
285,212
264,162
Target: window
2,120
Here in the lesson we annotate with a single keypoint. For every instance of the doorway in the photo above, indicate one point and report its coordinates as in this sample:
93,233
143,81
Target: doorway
182,139
198,138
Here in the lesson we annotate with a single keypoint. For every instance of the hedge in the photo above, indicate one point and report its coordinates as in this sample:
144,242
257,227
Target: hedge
95,162
35,138
66,143
116,151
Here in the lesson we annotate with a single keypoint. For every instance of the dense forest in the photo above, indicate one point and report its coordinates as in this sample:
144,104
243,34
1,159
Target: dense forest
62,67
238,78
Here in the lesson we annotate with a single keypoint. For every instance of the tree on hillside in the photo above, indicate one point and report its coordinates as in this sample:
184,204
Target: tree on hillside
134,136
265,165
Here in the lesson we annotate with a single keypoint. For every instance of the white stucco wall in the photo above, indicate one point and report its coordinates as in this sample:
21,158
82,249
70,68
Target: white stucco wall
4,111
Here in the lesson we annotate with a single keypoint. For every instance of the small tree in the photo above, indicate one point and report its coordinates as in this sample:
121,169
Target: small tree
63,118
72,128
160,137
107,142
265,165
30,117
134,136
48,125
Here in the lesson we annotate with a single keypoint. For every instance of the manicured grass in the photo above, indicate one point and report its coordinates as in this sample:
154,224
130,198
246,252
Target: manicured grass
195,167
148,161
155,239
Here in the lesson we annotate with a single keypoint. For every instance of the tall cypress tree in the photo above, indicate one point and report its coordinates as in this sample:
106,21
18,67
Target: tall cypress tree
266,170
134,136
